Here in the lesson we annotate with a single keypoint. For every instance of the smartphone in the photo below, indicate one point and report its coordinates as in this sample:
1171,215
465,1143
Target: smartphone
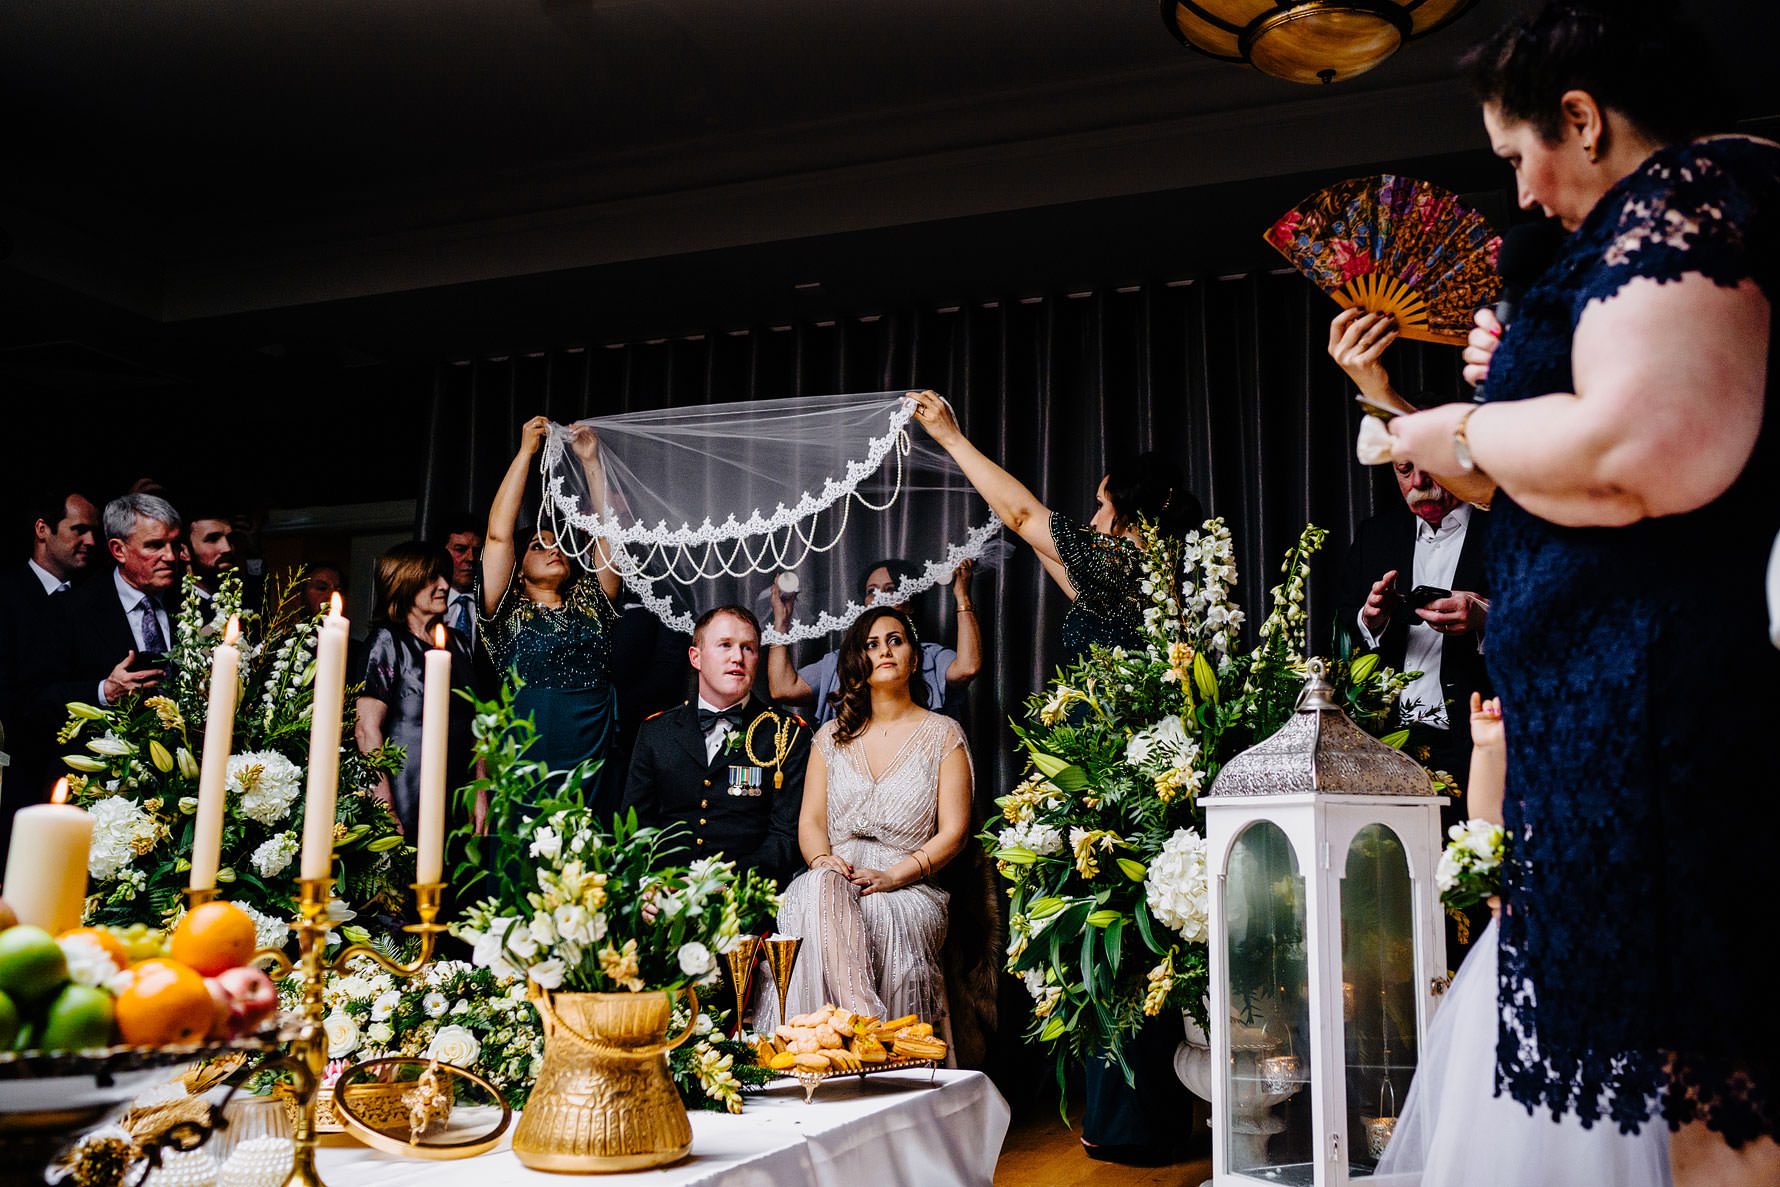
147,661
1373,408
1421,595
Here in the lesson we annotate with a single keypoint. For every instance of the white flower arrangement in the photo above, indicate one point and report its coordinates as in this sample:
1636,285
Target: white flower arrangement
273,855
267,782
1176,886
120,827
1470,868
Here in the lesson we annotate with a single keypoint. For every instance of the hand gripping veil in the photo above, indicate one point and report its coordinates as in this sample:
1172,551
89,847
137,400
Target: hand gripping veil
708,505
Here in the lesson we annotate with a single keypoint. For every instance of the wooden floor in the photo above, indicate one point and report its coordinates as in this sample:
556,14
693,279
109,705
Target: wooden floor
1041,1152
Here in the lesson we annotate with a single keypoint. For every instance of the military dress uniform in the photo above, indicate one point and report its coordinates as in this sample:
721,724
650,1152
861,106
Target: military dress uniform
739,804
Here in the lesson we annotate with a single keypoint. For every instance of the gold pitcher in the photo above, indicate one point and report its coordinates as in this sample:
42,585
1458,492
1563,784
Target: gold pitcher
604,1100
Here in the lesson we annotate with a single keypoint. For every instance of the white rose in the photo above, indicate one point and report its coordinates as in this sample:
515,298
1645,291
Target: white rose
455,1045
379,1033
342,1034
696,959
385,1005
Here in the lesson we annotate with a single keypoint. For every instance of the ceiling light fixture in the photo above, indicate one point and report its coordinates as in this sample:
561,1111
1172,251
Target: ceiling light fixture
1309,41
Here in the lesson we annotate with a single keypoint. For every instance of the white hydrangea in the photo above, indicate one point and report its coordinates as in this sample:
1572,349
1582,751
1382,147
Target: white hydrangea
269,932
267,782
274,854
1040,838
1176,886
118,824
1169,734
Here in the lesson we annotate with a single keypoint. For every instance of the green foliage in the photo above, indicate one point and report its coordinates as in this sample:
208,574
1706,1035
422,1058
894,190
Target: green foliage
136,770
1102,841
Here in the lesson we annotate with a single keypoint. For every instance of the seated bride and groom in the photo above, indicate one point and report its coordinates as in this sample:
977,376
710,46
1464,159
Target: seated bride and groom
853,820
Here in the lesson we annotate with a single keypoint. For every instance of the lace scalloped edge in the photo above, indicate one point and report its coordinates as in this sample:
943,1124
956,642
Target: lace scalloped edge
561,507
937,571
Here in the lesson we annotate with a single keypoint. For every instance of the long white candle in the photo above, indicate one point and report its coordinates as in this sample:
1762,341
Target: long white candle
46,866
219,735
324,744
435,730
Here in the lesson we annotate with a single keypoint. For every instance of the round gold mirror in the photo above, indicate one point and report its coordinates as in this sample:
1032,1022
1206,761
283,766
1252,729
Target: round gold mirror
419,1108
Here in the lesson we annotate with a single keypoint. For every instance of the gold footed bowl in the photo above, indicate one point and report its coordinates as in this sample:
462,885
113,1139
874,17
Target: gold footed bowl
604,1100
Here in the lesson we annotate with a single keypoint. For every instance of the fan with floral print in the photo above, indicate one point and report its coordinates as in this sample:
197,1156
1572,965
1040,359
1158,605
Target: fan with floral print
1391,244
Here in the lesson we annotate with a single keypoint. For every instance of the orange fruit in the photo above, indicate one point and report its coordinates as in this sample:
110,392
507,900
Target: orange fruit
104,940
213,937
167,1003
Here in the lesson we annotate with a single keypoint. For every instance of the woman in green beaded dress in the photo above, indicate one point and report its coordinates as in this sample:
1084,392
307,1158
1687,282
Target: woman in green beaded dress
1099,569
553,626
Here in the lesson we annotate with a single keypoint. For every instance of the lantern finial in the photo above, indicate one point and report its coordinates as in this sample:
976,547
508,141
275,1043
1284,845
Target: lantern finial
1317,693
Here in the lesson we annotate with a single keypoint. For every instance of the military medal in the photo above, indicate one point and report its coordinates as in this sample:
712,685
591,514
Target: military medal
745,780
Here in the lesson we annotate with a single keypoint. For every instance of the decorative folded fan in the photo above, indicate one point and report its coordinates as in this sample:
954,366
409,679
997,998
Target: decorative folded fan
1395,245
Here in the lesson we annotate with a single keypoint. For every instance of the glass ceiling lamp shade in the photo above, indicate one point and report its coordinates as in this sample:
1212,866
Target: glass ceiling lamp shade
1310,41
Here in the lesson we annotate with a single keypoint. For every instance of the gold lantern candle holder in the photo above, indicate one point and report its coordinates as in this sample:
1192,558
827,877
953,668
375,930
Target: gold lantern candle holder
308,1055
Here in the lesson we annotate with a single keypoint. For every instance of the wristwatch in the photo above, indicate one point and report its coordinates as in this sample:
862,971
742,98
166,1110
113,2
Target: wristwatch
1461,444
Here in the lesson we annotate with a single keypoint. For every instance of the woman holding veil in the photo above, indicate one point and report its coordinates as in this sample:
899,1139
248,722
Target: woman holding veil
1099,569
552,625
886,802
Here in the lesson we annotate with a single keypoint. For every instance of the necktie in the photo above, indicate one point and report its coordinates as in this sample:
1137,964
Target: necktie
152,639
708,718
460,616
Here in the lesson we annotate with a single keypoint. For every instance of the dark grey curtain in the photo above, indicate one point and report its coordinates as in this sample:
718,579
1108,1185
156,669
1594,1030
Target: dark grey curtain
1230,376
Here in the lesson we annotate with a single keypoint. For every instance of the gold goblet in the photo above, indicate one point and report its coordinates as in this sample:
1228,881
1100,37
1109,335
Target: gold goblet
741,959
781,956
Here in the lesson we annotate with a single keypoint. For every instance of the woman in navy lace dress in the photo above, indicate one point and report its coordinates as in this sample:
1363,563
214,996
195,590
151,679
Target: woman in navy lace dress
1626,433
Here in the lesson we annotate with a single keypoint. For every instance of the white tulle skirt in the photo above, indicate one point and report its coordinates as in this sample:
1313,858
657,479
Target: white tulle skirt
1455,1131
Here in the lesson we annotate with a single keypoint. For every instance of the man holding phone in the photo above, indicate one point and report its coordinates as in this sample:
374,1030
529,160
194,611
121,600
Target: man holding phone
1412,586
113,634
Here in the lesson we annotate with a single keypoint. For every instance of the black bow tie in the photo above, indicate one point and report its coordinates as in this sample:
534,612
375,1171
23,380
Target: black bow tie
708,718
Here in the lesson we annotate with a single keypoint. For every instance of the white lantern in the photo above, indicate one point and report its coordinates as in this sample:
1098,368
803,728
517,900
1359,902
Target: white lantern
1327,947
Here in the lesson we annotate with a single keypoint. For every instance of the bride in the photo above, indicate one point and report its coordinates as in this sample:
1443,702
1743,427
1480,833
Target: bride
886,802
1455,1131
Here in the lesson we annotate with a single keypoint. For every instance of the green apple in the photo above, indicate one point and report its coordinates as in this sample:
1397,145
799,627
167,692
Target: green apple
79,1017
9,1022
32,966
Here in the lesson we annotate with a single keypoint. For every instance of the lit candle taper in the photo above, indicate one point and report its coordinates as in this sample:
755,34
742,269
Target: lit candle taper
219,736
324,744
46,867
435,730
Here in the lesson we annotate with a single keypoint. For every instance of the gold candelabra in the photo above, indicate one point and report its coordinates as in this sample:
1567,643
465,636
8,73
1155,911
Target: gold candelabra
308,1057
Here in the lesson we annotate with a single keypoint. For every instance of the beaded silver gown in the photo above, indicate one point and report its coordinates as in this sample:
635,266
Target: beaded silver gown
875,954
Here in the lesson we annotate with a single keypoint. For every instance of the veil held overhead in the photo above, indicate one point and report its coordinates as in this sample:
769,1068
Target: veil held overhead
706,506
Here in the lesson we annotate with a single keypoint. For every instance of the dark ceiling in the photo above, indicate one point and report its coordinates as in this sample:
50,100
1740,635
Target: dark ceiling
202,201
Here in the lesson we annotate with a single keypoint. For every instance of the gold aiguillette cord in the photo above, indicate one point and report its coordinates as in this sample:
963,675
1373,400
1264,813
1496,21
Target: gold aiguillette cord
781,745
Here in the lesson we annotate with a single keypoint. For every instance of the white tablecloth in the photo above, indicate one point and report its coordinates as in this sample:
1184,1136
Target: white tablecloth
859,1132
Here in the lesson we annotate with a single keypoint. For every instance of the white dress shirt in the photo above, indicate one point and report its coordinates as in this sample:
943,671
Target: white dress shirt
51,583
131,599
1437,551
720,732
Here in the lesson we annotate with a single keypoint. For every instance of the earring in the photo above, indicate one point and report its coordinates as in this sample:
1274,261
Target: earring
1588,148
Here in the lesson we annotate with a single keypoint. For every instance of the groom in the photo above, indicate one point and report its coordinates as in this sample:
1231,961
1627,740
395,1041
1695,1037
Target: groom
729,767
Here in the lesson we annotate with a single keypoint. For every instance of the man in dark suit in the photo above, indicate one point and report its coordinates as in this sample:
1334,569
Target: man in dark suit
63,526
1437,546
727,765
112,636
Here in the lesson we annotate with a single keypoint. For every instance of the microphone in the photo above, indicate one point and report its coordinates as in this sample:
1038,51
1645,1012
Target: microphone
1527,251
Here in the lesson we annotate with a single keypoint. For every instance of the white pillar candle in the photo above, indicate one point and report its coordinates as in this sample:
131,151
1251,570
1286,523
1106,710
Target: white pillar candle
219,735
324,744
435,732
46,866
